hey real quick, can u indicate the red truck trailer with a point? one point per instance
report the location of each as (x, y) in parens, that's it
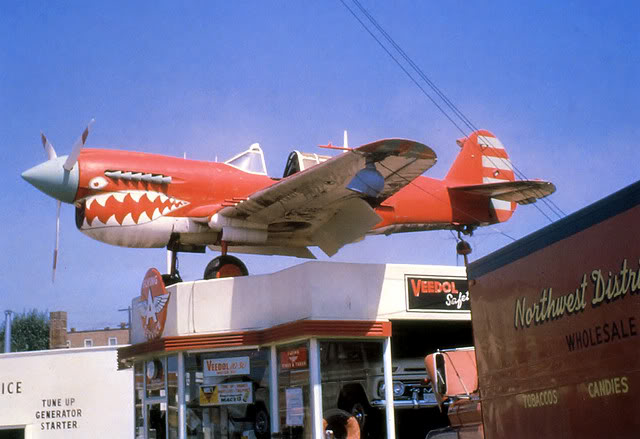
(556, 323)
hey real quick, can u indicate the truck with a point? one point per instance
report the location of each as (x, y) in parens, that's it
(556, 327)
(353, 382)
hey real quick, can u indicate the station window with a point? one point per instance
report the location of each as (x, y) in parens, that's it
(227, 394)
(293, 391)
(88, 342)
(138, 397)
(156, 398)
(113, 341)
(154, 377)
(352, 377)
(173, 424)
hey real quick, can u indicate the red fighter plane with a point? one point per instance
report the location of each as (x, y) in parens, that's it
(135, 199)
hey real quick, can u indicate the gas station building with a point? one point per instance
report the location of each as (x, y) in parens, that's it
(290, 354)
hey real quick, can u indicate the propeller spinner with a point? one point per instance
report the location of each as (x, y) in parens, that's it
(58, 177)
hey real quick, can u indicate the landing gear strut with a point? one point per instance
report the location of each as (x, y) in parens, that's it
(463, 248)
(222, 266)
(174, 275)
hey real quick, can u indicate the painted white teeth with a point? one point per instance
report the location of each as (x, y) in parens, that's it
(128, 220)
(102, 199)
(112, 221)
(170, 204)
(119, 196)
(136, 195)
(144, 218)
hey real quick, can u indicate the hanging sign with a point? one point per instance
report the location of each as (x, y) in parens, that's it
(437, 294)
(294, 359)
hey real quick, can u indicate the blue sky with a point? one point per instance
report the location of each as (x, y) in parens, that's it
(555, 81)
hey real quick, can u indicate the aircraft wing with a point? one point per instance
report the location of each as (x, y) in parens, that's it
(521, 191)
(317, 200)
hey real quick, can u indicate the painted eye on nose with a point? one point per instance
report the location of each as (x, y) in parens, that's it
(97, 183)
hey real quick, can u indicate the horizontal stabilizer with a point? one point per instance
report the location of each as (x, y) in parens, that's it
(521, 191)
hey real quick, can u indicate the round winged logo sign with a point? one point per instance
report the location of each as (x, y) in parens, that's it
(152, 305)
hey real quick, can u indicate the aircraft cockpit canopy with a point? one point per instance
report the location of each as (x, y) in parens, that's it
(299, 161)
(251, 160)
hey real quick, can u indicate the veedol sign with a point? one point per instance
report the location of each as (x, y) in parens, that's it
(226, 366)
(436, 294)
(152, 304)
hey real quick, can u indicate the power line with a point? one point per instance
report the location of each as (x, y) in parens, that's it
(466, 121)
(403, 69)
(448, 102)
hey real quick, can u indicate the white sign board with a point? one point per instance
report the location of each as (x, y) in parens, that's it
(295, 406)
(66, 393)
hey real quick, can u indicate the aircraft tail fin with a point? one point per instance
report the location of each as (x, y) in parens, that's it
(483, 160)
(483, 168)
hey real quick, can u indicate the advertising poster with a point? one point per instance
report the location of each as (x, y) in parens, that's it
(295, 406)
(226, 394)
(217, 367)
(437, 294)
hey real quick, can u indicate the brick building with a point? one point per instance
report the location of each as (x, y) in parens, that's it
(60, 338)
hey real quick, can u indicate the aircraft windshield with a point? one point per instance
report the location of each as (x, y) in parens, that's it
(252, 160)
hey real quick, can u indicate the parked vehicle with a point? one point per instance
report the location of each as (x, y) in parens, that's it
(353, 381)
(556, 323)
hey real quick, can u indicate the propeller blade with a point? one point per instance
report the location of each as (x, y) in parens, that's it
(75, 151)
(55, 250)
(48, 148)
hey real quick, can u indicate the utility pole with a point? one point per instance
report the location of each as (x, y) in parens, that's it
(128, 310)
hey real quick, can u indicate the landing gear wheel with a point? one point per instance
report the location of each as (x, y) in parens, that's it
(170, 279)
(225, 266)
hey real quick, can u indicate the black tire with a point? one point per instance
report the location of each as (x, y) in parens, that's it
(225, 266)
(261, 422)
(170, 279)
(354, 401)
(341, 423)
(359, 411)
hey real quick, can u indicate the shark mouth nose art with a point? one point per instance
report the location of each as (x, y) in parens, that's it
(128, 208)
